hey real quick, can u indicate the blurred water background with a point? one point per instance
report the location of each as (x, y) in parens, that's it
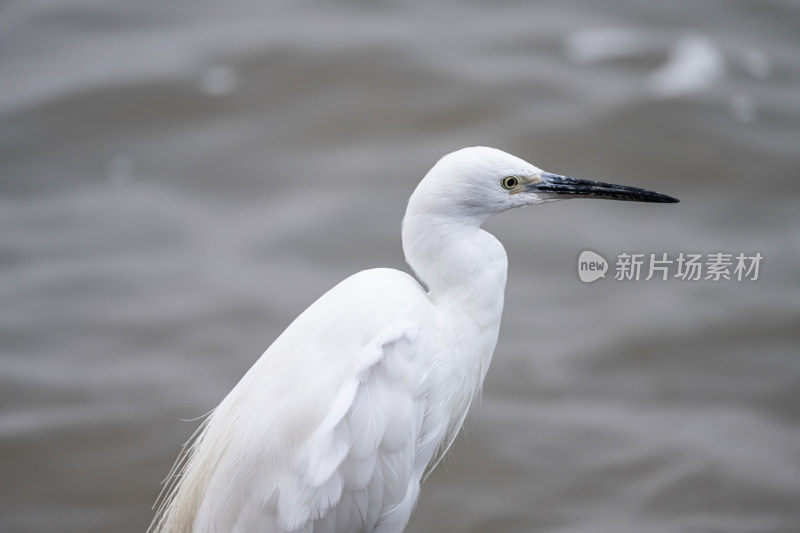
(178, 180)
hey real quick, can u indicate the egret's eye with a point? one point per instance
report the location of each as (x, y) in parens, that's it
(510, 182)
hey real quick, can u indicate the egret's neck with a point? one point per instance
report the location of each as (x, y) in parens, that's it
(464, 269)
(460, 264)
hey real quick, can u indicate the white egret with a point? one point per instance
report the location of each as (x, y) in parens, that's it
(334, 427)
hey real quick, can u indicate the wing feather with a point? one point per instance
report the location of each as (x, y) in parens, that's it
(321, 434)
(372, 444)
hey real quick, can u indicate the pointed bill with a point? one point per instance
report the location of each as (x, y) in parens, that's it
(558, 186)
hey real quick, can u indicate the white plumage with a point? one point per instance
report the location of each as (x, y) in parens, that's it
(334, 427)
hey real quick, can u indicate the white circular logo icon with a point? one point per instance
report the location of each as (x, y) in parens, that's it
(591, 266)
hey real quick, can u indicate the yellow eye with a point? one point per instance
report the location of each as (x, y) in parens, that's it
(510, 182)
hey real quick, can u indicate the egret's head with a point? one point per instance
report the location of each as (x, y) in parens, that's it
(479, 182)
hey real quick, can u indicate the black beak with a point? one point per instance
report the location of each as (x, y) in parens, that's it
(564, 187)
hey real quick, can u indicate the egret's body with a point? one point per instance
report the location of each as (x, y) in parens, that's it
(333, 428)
